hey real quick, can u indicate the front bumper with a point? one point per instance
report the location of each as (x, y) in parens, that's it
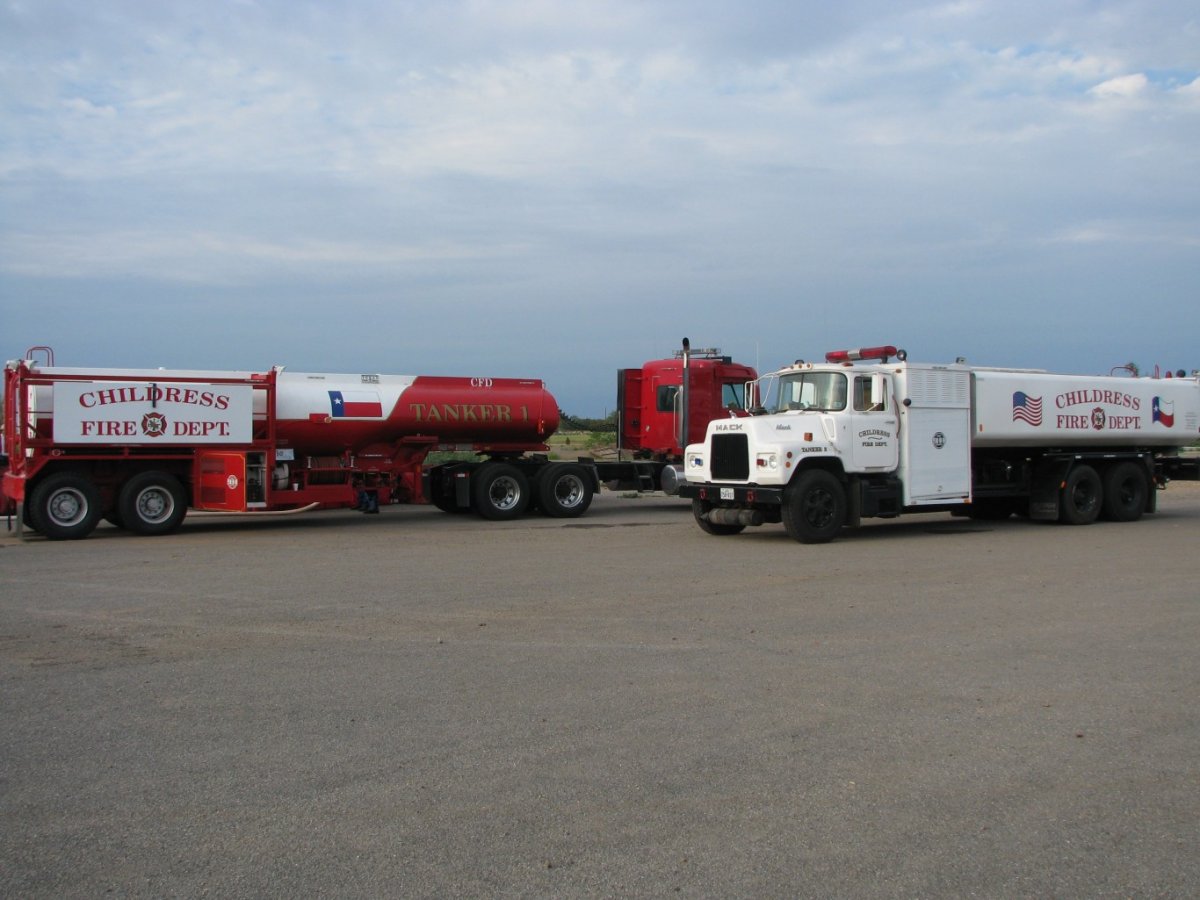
(732, 494)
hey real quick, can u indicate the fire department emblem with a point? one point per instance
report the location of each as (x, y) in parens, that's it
(1098, 419)
(154, 424)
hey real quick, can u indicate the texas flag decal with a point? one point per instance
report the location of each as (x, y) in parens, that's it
(355, 405)
(1163, 411)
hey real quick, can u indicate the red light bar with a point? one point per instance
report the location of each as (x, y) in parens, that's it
(880, 353)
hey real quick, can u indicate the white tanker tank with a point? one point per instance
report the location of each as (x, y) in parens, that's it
(1023, 408)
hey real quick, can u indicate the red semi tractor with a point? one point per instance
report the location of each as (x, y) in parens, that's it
(139, 448)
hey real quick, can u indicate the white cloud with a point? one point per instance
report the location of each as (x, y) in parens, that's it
(1122, 87)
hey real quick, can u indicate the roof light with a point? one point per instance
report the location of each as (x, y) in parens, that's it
(844, 356)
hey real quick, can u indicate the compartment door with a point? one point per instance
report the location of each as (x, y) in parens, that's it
(222, 482)
(937, 453)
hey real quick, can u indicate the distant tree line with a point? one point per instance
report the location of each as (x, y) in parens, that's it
(585, 423)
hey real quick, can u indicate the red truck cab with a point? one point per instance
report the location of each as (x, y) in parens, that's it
(650, 400)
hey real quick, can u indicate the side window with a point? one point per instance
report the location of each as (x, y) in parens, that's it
(864, 399)
(733, 396)
(666, 397)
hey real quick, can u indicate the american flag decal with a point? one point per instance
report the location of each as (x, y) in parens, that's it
(1027, 409)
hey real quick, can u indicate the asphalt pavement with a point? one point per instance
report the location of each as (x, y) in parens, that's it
(418, 704)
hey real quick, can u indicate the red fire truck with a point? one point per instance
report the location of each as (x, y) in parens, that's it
(138, 448)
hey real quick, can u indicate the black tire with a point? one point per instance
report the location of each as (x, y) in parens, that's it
(152, 503)
(64, 507)
(699, 508)
(499, 491)
(564, 491)
(814, 507)
(1126, 488)
(1082, 497)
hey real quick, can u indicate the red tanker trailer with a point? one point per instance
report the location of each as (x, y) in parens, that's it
(140, 447)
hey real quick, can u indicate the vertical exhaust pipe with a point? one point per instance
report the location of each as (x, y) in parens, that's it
(683, 393)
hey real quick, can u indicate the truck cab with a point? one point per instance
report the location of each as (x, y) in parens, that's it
(651, 401)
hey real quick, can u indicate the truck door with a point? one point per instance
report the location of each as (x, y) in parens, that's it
(874, 422)
(664, 413)
(631, 407)
(222, 478)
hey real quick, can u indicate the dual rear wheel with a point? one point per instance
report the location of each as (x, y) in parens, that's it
(1119, 495)
(67, 505)
(501, 491)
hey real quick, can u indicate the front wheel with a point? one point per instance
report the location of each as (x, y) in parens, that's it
(64, 507)
(1082, 497)
(564, 491)
(814, 507)
(152, 503)
(500, 491)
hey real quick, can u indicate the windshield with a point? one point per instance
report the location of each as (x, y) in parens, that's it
(824, 391)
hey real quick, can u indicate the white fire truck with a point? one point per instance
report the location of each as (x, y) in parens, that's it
(869, 434)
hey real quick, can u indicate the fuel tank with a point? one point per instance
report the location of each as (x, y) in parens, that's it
(322, 413)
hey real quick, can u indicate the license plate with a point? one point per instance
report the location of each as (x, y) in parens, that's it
(726, 493)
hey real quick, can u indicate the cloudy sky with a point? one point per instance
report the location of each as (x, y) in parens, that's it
(557, 189)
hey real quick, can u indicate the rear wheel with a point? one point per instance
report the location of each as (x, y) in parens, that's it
(814, 507)
(1082, 496)
(1125, 490)
(564, 491)
(64, 507)
(152, 503)
(700, 510)
(499, 491)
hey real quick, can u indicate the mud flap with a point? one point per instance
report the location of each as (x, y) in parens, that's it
(854, 502)
(1048, 475)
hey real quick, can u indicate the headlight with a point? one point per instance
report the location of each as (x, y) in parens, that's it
(767, 461)
(695, 460)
